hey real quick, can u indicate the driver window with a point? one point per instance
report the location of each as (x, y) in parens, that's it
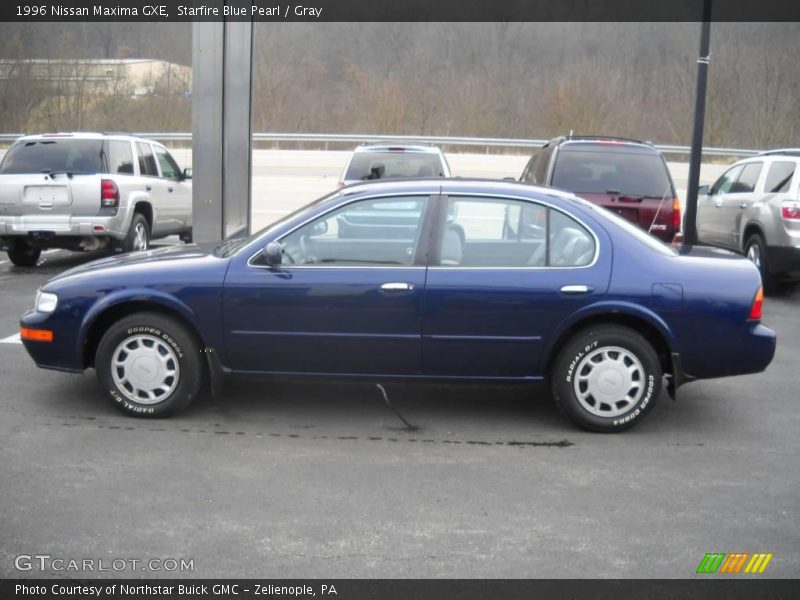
(379, 232)
(725, 183)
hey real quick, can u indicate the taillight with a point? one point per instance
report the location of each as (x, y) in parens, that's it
(790, 210)
(758, 301)
(676, 214)
(109, 194)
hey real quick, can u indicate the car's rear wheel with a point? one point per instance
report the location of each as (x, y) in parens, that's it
(22, 254)
(755, 248)
(150, 365)
(607, 378)
(138, 237)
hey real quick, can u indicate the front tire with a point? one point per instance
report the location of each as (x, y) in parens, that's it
(150, 365)
(756, 250)
(22, 254)
(607, 378)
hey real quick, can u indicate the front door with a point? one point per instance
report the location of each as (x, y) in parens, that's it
(347, 298)
(711, 228)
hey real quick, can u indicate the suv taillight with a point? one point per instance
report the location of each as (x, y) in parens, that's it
(109, 194)
(676, 214)
(790, 210)
(758, 302)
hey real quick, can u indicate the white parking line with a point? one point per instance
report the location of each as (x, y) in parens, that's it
(12, 339)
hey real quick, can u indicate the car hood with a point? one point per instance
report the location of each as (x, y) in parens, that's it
(148, 259)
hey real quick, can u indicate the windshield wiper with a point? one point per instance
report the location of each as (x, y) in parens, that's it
(53, 172)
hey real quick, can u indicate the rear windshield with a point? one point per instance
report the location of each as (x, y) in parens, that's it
(388, 165)
(600, 170)
(79, 156)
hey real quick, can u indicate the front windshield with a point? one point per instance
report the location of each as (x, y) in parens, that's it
(229, 247)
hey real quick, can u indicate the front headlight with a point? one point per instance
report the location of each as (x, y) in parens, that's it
(46, 302)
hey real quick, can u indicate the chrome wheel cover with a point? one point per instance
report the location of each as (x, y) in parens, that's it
(754, 254)
(139, 237)
(145, 369)
(609, 381)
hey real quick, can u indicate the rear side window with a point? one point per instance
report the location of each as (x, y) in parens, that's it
(779, 177)
(506, 233)
(120, 157)
(748, 178)
(389, 165)
(147, 162)
(599, 170)
(78, 156)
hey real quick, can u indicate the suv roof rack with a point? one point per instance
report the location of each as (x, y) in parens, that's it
(781, 152)
(611, 138)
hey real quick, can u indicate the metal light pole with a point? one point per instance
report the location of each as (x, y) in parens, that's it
(690, 225)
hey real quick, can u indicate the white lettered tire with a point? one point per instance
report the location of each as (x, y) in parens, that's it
(607, 378)
(149, 364)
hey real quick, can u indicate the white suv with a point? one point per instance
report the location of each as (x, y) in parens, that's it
(85, 191)
(391, 161)
(754, 208)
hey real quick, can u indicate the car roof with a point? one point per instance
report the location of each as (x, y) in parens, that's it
(389, 147)
(780, 152)
(436, 185)
(83, 135)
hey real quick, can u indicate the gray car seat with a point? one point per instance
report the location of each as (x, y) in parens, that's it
(452, 247)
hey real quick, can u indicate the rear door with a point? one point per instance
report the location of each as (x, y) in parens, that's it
(156, 187)
(504, 273)
(340, 302)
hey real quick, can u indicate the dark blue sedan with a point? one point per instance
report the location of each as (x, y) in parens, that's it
(423, 279)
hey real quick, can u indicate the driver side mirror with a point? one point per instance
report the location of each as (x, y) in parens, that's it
(273, 253)
(702, 190)
(187, 173)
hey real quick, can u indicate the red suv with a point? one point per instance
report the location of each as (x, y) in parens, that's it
(629, 177)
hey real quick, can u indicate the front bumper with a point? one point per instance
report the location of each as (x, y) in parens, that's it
(61, 354)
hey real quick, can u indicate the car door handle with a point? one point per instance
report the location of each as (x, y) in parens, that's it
(147, 188)
(169, 189)
(718, 202)
(397, 287)
(575, 290)
(742, 204)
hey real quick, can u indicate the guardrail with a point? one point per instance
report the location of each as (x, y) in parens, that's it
(325, 138)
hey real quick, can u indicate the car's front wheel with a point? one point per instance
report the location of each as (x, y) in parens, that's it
(22, 254)
(607, 378)
(149, 364)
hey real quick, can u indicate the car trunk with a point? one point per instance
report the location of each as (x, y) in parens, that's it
(48, 200)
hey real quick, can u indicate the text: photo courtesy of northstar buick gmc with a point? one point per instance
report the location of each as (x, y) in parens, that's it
(437, 279)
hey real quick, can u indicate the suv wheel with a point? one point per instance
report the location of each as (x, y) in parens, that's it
(607, 378)
(756, 250)
(22, 254)
(138, 237)
(149, 364)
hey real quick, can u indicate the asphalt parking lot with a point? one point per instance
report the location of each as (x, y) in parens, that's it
(298, 480)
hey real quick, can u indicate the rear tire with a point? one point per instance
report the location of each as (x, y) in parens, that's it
(22, 254)
(138, 237)
(606, 378)
(150, 365)
(756, 250)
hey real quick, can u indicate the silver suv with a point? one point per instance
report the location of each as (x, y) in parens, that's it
(86, 191)
(391, 161)
(754, 208)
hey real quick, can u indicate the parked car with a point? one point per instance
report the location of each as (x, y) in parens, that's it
(629, 177)
(586, 300)
(754, 208)
(382, 161)
(86, 191)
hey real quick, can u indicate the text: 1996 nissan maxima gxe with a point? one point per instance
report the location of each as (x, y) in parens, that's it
(431, 279)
